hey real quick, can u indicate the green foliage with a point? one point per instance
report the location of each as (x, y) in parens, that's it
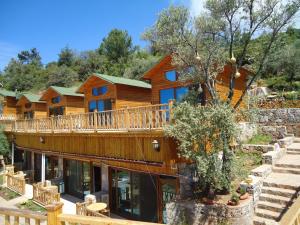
(30, 205)
(203, 133)
(7, 194)
(260, 139)
(235, 198)
(66, 57)
(62, 76)
(4, 146)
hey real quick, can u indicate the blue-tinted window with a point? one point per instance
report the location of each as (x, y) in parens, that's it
(55, 100)
(99, 90)
(166, 95)
(180, 93)
(100, 107)
(95, 91)
(92, 106)
(102, 90)
(171, 75)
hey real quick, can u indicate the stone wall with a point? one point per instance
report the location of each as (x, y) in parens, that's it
(183, 212)
(281, 117)
(247, 130)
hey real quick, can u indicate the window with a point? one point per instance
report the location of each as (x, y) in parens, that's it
(56, 111)
(173, 93)
(27, 105)
(55, 100)
(100, 105)
(92, 106)
(171, 75)
(99, 90)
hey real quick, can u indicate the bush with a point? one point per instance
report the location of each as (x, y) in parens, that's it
(260, 139)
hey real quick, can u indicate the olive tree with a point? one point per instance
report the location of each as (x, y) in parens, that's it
(200, 47)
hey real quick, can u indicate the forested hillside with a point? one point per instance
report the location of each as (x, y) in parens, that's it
(118, 56)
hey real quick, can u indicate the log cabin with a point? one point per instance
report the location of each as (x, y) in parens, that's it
(31, 107)
(104, 92)
(63, 101)
(134, 167)
(8, 103)
(166, 84)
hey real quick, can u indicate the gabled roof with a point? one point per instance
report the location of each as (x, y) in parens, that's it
(71, 91)
(165, 59)
(33, 98)
(8, 93)
(119, 80)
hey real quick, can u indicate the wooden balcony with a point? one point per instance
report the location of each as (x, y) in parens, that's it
(137, 118)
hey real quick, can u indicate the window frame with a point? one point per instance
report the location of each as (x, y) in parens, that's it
(96, 91)
(56, 100)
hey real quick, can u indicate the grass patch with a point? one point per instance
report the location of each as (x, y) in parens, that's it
(30, 205)
(243, 164)
(260, 139)
(8, 194)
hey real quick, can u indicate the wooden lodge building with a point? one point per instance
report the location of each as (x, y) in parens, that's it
(123, 156)
(103, 92)
(31, 107)
(8, 103)
(63, 101)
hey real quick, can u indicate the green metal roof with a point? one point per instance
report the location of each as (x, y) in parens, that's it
(122, 80)
(66, 91)
(32, 97)
(5, 93)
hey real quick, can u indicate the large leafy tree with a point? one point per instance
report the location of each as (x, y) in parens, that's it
(62, 76)
(66, 57)
(200, 47)
(4, 146)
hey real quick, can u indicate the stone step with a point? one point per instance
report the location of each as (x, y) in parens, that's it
(294, 146)
(293, 149)
(267, 214)
(274, 207)
(257, 220)
(274, 199)
(278, 185)
(278, 191)
(296, 139)
(286, 170)
(285, 165)
(292, 153)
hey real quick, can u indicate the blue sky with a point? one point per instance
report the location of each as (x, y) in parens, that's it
(50, 25)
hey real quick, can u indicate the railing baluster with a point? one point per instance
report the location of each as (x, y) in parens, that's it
(16, 220)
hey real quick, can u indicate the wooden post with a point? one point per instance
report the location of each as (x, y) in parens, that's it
(171, 103)
(52, 124)
(95, 120)
(53, 211)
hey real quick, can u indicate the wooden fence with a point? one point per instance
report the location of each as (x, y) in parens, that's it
(44, 196)
(292, 216)
(55, 217)
(16, 183)
(17, 216)
(143, 117)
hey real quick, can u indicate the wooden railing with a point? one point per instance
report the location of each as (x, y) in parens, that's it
(90, 220)
(17, 216)
(7, 117)
(16, 183)
(143, 117)
(44, 196)
(292, 216)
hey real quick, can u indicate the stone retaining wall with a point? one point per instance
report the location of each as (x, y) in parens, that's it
(193, 213)
(281, 117)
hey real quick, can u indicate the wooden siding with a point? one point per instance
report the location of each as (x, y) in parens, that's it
(9, 105)
(131, 150)
(122, 95)
(158, 80)
(72, 104)
(129, 96)
(157, 77)
(39, 108)
(97, 82)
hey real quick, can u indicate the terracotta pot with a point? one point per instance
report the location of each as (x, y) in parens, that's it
(244, 196)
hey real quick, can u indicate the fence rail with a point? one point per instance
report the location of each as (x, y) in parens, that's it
(16, 183)
(44, 196)
(143, 117)
(292, 216)
(18, 217)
